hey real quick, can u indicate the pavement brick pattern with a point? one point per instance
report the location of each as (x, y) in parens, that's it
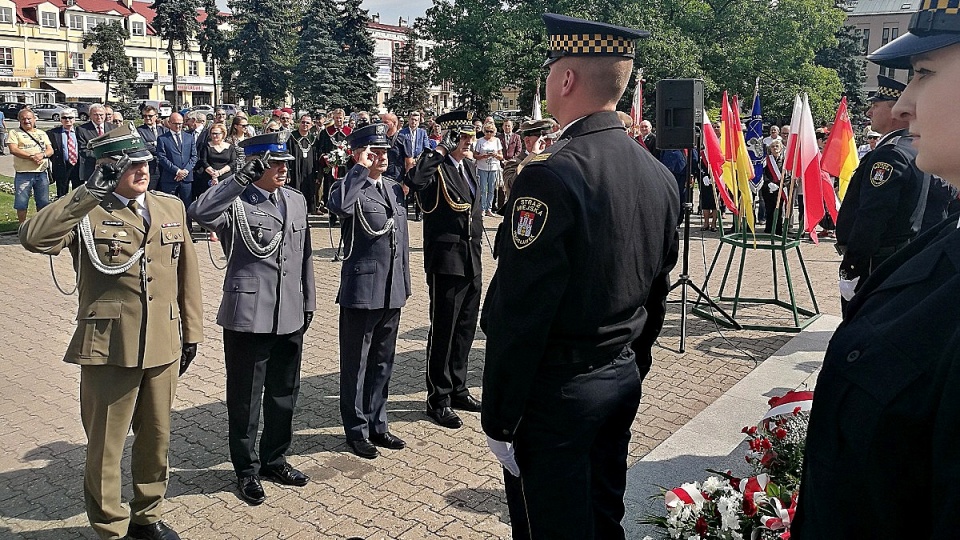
(444, 485)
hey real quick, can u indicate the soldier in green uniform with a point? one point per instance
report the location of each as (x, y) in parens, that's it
(138, 324)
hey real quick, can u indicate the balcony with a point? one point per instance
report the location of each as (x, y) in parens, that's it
(56, 73)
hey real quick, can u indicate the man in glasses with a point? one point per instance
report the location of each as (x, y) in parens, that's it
(149, 132)
(177, 154)
(412, 140)
(303, 173)
(97, 126)
(66, 153)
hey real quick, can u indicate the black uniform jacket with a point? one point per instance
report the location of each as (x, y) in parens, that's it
(453, 217)
(584, 265)
(884, 436)
(884, 204)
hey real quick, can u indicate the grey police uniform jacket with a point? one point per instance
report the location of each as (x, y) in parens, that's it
(261, 295)
(375, 263)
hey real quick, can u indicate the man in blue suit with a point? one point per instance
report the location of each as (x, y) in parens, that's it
(150, 131)
(177, 155)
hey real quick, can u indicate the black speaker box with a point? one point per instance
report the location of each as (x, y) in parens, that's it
(679, 113)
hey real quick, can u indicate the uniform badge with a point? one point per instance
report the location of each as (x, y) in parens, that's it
(172, 224)
(540, 157)
(880, 173)
(113, 223)
(254, 199)
(529, 218)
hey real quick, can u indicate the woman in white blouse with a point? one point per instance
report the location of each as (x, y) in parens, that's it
(488, 152)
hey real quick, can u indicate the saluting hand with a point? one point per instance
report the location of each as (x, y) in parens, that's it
(367, 158)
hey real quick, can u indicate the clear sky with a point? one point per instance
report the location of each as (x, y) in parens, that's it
(390, 10)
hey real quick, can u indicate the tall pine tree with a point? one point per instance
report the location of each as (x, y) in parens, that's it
(411, 82)
(319, 66)
(176, 23)
(357, 84)
(110, 59)
(263, 44)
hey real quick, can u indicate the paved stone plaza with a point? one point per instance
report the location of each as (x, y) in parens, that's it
(444, 485)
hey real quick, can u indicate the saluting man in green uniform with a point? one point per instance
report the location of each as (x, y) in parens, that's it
(138, 324)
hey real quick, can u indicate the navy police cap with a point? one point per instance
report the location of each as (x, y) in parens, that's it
(460, 120)
(570, 36)
(887, 89)
(372, 135)
(935, 26)
(275, 143)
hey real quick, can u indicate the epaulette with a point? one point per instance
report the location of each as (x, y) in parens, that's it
(545, 155)
(293, 189)
(164, 194)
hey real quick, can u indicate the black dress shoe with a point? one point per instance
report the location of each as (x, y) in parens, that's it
(285, 474)
(153, 531)
(251, 490)
(388, 440)
(363, 448)
(445, 417)
(467, 403)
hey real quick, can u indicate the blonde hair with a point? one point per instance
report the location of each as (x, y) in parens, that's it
(490, 125)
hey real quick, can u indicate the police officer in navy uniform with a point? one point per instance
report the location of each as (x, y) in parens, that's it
(885, 201)
(446, 186)
(885, 420)
(268, 302)
(374, 285)
(579, 295)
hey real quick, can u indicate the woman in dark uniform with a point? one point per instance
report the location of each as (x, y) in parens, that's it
(885, 425)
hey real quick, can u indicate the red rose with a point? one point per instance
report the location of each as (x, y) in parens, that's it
(781, 433)
(752, 430)
(767, 458)
(796, 410)
(701, 526)
(766, 444)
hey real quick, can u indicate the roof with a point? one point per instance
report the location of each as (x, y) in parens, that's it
(388, 27)
(26, 14)
(877, 7)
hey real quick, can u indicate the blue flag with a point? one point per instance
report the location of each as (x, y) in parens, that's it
(755, 140)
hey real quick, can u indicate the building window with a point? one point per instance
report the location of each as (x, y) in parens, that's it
(48, 19)
(6, 56)
(93, 22)
(192, 68)
(6, 15)
(169, 67)
(50, 59)
(137, 63)
(885, 37)
(77, 62)
(76, 22)
(138, 28)
(894, 33)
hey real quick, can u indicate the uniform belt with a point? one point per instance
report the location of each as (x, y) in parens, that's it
(882, 252)
(580, 360)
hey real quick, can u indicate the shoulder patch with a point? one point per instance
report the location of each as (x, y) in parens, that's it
(293, 189)
(880, 173)
(529, 219)
(543, 156)
(159, 193)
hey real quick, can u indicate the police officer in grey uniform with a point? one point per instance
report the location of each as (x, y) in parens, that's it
(374, 285)
(578, 298)
(268, 302)
(885, 202)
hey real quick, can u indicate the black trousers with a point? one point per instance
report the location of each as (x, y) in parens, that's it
(454, 309)
(66, 176)
(770, 206)
(571, 447)
(368, 345)
(261, 369)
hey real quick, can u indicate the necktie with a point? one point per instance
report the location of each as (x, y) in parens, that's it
(154, 129)
(273, 199)
(71, 148)
(99, 129)
(380, 189)
(176, 139)
(135, 206)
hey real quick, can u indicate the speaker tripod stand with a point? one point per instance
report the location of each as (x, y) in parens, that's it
(683, 282)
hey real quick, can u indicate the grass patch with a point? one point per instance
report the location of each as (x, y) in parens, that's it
(8, 216)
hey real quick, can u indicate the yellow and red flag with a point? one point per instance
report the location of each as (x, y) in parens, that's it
(839, 156)
(737, 166)
(713, 154)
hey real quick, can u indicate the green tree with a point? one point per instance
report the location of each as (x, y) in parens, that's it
(411, 82)
(846, 58)
(319, 65)
(214, 48)
(176, 23)
(470, 49)
(110, 59)
(264, 43)
(357, 82)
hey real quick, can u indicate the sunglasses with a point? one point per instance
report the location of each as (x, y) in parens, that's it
(149, 116)
(489, 131)
(216, 133)
(273, 130)
(176, 123)
(68, 118)
(244, 125)
(117, 122)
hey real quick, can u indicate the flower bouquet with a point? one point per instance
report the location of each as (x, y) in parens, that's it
(337, 157)
(758, 507)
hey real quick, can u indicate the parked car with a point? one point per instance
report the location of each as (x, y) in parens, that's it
(228, 108)
(48, 111)
(163, 106)
(10, 109)
(205, 109)
(82, 107)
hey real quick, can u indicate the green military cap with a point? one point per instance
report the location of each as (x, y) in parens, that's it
(537, 128)
(120, 141)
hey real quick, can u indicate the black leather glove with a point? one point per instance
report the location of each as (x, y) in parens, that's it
(187, 356)
(252, 170)
(307, 319)
(106, 177)
(451, 139)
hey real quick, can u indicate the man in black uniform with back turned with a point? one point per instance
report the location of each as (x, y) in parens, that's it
(883, 208)
(446, 186)
(579, 296)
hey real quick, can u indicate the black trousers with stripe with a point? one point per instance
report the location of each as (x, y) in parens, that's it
(454, 311)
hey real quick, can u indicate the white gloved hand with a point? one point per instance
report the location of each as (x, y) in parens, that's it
(773, 187)
(504, 453)
(848, 287)
(707, 182)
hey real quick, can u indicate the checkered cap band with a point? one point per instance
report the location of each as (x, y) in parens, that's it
(591, 44)
(888, 93)
(936, 16)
